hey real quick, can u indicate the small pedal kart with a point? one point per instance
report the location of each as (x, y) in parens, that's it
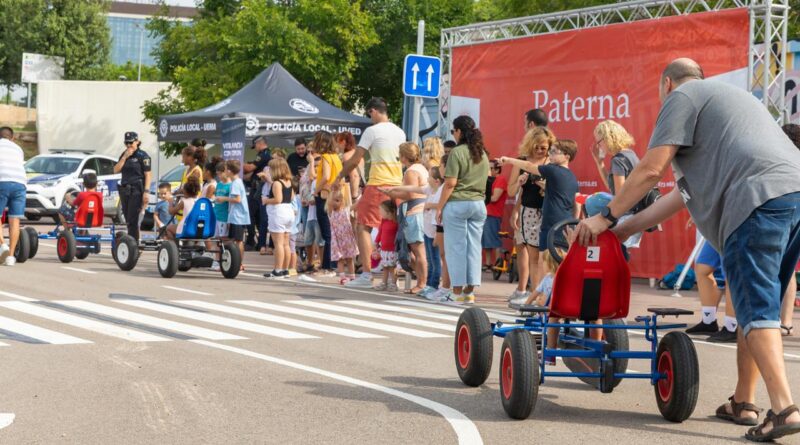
(28, 241)
(190, 249)
(592, 285)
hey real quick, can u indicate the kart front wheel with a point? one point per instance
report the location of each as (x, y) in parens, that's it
(33, 241)
(519, 374)
(230, 260)
(167, 259)
(676, 393)
(23, 250)
(473, 346)
(66, 246)
(126, 252)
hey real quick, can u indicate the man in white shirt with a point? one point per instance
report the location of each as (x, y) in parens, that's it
(12, 191)
(382, 140)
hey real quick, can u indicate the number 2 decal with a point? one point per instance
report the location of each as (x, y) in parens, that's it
(593, 254)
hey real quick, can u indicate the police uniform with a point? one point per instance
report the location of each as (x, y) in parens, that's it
(131, 186)
(258, 214)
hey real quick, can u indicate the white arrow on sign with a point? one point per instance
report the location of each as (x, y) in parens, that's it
(415, 70)
(430, 76)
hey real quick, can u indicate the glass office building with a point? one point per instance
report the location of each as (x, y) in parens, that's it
(128, 37)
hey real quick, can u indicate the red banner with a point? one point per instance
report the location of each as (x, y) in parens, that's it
(581, 78)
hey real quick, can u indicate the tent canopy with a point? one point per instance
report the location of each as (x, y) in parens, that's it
(275, 105)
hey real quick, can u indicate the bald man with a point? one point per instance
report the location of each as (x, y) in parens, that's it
(737, 174)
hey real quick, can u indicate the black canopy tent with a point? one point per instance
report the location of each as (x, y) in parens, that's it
(275, 105)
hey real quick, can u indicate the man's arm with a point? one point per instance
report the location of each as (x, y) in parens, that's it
(352, 163)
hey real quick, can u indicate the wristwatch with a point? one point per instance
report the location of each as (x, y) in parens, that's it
(606, 213)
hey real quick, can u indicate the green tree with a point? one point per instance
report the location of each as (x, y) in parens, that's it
(130, 71)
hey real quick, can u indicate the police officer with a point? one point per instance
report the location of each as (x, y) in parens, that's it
(251, 171)
(135, 183)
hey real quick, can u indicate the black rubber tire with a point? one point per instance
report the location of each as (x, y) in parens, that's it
(184, 266)
(230, 261)
(118, 234)
(676, 396)
(66, 247)
(23, 250)
(32, 217)
(473, 346)
(33, 239)
(519, 374)
(82, 254)
(496, 274)
(126, 253)
(618, 338)
(513, 273)
(167, 259)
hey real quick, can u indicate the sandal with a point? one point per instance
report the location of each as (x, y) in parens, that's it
(413, 291)
(786, 331)
(779, 426)
(737, 408)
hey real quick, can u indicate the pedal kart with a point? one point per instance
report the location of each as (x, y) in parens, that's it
(28, 244)
(189, 249)
(592, 285)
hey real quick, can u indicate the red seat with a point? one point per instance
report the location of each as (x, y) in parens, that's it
(592, 283)
(90, 210)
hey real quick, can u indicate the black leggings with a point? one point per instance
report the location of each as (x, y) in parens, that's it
(325, 228)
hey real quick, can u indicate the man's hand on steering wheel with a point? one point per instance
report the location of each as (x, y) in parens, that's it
(588, 229)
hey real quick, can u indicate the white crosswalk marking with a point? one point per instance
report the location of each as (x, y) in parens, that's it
(373, 314)
(37, 333)
(214, 319)
(340, 319)
(187, 329)
(80, 322)
(452, 310)
(279, 319)
(388, 307)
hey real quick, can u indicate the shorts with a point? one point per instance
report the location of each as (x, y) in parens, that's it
(221, 230)
(236, 232)
(388, 258)
(67, 211)
(413, 229)
(293, 242)
(313, 234)
(709, 256)
(491, 233)
(765, 246)
(530, 225)
(281, 218)
(12, 196)
(368, 208)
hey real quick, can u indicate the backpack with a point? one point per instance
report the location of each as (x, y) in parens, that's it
(669, 280)
(401, 247)
(649, 199)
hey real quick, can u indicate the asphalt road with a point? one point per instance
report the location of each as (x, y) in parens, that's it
(94, 355)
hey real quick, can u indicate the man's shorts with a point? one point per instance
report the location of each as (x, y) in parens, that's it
(236, 232)
(12, 195)
(221, 230)
(313, 234)
(388, 258)
(765, 246)
(491, 233)
(368, 209)
(413, 229)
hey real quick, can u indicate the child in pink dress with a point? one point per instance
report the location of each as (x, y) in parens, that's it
(343, 240)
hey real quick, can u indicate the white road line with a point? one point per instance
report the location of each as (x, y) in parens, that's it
(6, 419)
(16, 297)
(388, 307)
(718, 345)
(180, 289)
(465, 430)
(452, 309)
(80, 322)
(3, 344)
(187, 329)
(372, 314)
(214, 319)
(340, 319)
(279, 319)
(75, 269)
(42, 334)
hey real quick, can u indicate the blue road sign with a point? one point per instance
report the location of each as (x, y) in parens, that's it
(421, 76)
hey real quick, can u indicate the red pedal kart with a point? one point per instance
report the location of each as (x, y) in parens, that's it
(592, 285)
(28, 244)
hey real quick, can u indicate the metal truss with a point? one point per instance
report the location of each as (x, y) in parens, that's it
(768, 23)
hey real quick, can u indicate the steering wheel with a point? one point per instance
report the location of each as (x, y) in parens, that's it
(556, 240)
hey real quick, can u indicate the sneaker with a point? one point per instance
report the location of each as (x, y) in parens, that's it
(465, 299)
(425, 291)
(4, 252)
(10, 260)
(520, 299)
(377, 270)
(723, 336)
(214, 267)
(306, 278)
(704, 328)
(431, 294)
(273, 274)
(284, 273)
(391, 287)
(381, 287)
(325, 274)
(364, 281)
(292, 272)
(443, 295)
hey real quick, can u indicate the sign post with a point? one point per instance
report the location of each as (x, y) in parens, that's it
(234, 139)
(415, 73)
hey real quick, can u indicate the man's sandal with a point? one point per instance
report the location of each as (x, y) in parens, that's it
(779, 426)
(786, 331)
(737, 408)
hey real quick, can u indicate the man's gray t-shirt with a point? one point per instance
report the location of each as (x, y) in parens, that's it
(732, 156)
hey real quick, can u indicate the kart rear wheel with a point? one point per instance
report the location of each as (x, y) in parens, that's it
(33, 241)
(82, 254)
(117, 236)
(519, 374)
(497, 270)
(66, 246)
(617, 338)
(126, 252)
(167, 259)
(676, 394)
(23, 250)
(473, 346)
(230, 260)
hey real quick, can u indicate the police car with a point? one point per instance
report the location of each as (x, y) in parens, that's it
(51, 176)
